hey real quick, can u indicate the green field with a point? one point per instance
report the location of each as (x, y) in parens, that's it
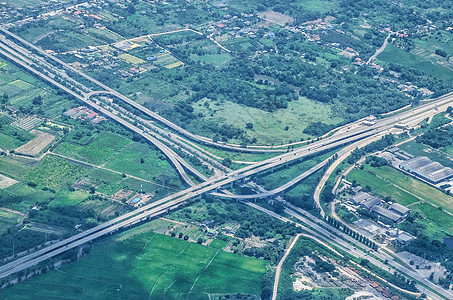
(101, 148)
(12, 137)
(55, 173)
(21, 197)
(131, 59)
(15, 166)
(21, 88)
(69, 198)
(416, 187)
(128, 160)
(8, 219)
(269, 128)
(393, 54)
(438, 223)
(448, 150)
(218, 60)
(146, 266)
(381, 187)
(108, 183)
(321, 6)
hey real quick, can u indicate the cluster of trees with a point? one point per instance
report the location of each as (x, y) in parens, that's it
(400, 16)
(223, 85)
(361, 238)
(356, 94)
(379, 145)
(438, 137)
(433, 250)
(183, 114)
(252, 222)
(395, 277)
(304, 201)
(272, 253)
(322, 266)
(318, 128)
(266, 227)
(375, 161)
(419, 78)
(67, 216)
(21, 240)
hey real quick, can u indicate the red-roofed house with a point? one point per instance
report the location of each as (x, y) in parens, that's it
(92, 115)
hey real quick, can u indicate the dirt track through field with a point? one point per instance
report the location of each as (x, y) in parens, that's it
(36, 145)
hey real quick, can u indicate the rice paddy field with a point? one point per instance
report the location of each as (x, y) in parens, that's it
(141, 264)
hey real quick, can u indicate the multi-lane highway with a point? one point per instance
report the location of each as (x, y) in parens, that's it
(27, 60)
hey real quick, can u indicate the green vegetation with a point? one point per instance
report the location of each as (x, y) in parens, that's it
(141, 160)
(379, 145)
(381, 187)
(396, 55)
(9, 219)
(247, 72)
(279, 127)
(437, 138)
(278, 176)
(418, 149)
(140, 264)
(306, 247)
(11, 136)
(69, 198)
(417, 187)
(28, 95)
(218, 60)
(298, 81)
(430, 221)
(22, 197)
(98, 150)
(388, 183)
(55, 173)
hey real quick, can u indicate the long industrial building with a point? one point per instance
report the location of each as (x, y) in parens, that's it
(427, 169)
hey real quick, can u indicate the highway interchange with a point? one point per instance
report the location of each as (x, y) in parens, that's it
(54, 71)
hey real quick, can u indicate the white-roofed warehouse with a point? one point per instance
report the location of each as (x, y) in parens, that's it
(426, 169)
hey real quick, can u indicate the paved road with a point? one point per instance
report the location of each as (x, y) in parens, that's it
(338, 238)
(175, 159)
(326, 241)
(236, 175)
(341, 157)
(380, 50)
(136, 105)
(413, 115)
